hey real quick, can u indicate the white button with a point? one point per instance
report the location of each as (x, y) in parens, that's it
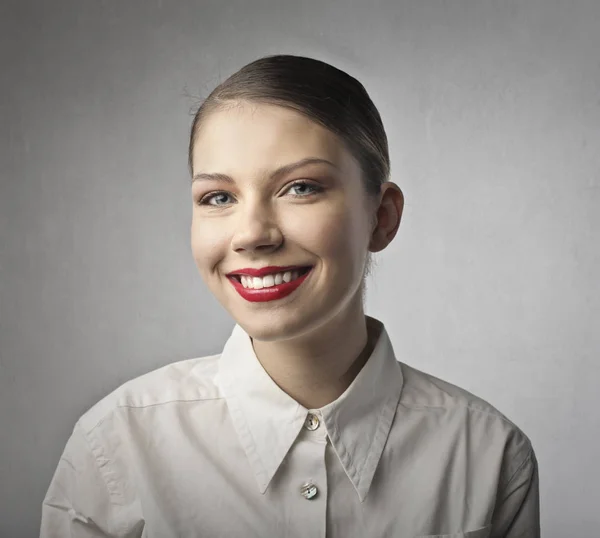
(308, 490)
(312, 422)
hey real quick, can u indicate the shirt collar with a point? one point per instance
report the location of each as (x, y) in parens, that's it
(267, 420)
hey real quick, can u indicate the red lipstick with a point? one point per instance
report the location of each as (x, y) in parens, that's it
(271, 293)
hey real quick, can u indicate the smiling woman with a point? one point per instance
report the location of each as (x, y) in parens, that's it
(248, 162)
(306, 424)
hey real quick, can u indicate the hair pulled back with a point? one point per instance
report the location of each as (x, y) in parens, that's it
(316, 89)
(323, 93)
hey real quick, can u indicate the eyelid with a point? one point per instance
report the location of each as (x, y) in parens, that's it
(211, 194)
(311, 183)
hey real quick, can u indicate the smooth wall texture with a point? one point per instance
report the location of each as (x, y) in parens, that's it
(493, 114)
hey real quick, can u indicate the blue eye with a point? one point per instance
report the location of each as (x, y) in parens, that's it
(314, 188)
(212, 195)
(205, 200)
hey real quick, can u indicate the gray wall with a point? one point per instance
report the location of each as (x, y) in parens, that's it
(493, 116)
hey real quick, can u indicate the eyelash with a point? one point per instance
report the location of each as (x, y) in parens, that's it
(316, 189)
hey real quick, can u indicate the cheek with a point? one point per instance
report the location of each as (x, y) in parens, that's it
(208, 243)
(334, 233)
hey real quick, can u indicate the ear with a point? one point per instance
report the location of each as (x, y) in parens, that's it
(388, 216)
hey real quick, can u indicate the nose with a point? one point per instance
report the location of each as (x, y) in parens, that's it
(256, 229)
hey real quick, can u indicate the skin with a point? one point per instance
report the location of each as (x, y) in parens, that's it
(315, 341)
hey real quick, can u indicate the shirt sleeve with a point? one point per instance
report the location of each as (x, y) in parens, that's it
(78, 502)
(517, 511)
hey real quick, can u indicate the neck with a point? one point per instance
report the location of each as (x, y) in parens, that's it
(316, 368)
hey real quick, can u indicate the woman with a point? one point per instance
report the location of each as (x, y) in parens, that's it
(306, 424)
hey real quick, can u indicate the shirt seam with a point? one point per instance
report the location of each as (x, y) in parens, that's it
(96, 463)
(168, 401)
(526, 460)
(126, 406)
(467, 406)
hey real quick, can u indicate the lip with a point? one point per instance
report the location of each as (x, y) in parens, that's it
(271, 293)
(263, 271)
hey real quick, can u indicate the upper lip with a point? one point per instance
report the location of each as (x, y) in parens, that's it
(249, 271)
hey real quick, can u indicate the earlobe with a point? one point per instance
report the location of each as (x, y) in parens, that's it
(378, 242)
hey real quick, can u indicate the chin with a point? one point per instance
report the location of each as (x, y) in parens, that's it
(261, 327)
(258, 329)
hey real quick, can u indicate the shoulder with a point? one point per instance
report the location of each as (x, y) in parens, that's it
(422, 389)
(460, 410)
(186, 380)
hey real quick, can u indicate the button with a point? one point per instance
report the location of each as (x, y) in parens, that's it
(312, 422)
(308, 490)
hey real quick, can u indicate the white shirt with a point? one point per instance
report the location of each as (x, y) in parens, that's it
(211, 447)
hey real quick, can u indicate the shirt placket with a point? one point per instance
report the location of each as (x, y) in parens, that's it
(307, 479)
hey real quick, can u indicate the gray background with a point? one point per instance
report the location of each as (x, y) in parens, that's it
(493, 115)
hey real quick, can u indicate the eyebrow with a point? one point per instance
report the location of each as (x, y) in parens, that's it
(281, 171)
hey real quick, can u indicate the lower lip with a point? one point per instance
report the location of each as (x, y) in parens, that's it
(268, 294)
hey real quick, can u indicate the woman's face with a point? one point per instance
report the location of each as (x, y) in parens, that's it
(260, 218)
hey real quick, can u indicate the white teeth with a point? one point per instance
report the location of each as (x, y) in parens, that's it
(258, 283)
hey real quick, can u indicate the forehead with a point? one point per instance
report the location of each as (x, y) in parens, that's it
(262, 137)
